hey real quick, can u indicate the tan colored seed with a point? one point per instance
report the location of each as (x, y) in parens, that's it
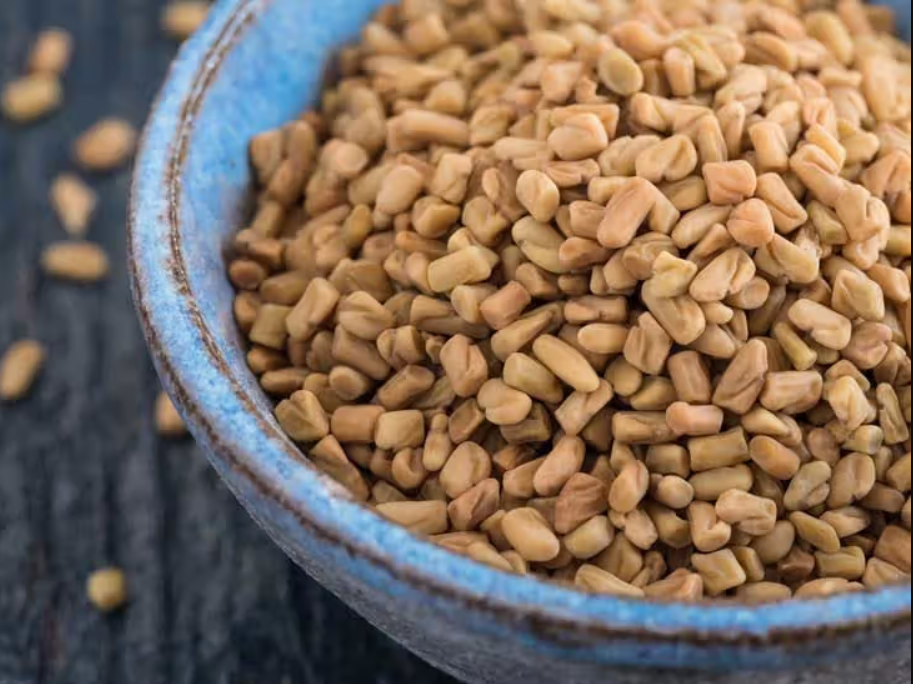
(566, 363)
(399, 430)
(619, 72)
(31, 97)
(181, 18)
(82, 262)
(529, 534)
(753, 515)
(720, 571)
(594, 578)
(815, 532)
(107, 589)
(421, 517)
(74, 203)
(51, 52)
(105, 146)
(20, 366)
(168, 422)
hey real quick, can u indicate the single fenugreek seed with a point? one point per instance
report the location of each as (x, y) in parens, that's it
(168, 422)
(105, 146)
(20, 365)
(82, 262)
(181, 18)
(74, 202)
(51, 52)
(107, 589)
(31, 97)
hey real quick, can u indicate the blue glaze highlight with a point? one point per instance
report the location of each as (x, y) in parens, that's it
(255, 65)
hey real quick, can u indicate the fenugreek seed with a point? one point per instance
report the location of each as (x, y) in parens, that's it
(181, 18)
(894, 547)
(31, 97)
(753, 515)
(815, 532)
(51, 52)
(20, 366)
(106, 589)
(593, 578)
(559, 466)
(853, 477)
(399, 430)
(566, 363)
(107, 145)
(168, 422)
(529, 534)
(718, 451)
(774, 458)
(710, 485)
(82, 262)
(619, 72)
(421, 517)
(74, 202)
(590, 538)
(720, 571)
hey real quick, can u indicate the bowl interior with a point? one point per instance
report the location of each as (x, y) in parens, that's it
(257, 64)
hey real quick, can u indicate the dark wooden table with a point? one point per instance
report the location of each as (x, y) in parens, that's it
(85, 481)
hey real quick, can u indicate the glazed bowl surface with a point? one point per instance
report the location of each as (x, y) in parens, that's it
(255, 65)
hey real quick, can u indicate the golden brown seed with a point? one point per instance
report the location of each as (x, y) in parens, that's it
(594, 578)
(51, 52)
(467, 465)
(82, 262)
(502, 404)
(579, 137)
(31, 97)
(708, 532)
(776, 545)
(561, 463)
(566, 363)
(619, 72)
(74, 202)
(894, 547)
(181, 18)
(729, 182)
(773, 457)
(468, 265)
(629, 488)
(20, 365)
(815, 532)
(753, 515)
(168, 422)
(718, 451)
(107, 589)
(303, 417)
(720, 571)
(421, 517)
(399, 430)
(792, 392)
(529, 534)
(580, 408)
(590, 538)
(106, 145)
(751, 223)
(694, 421)
(505, 306)
(464, 364)
(852, 479)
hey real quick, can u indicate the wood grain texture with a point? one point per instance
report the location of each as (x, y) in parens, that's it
(85, 481)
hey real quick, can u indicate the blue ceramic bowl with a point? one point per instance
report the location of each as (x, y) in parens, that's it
(255, 65)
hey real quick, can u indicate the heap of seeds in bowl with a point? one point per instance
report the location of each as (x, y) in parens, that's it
(612, 293)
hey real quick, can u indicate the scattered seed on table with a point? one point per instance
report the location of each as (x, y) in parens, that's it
(82, 262)
(168, 421)
(107, 589)
(51, 52)
(181, 18)
(75, 203)
(31, 97)
(107, 145)
(19, 367)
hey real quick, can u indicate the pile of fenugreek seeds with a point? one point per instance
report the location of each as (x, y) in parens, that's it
(612, 293)
(107, 146)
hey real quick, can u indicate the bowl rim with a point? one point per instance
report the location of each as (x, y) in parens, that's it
(186, 356)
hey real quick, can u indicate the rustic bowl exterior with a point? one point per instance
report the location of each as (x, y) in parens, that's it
(255, 65)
